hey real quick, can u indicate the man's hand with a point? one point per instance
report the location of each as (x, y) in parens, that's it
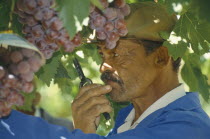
(88, 105)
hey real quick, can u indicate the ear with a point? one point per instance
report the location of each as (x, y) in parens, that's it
(162, 57)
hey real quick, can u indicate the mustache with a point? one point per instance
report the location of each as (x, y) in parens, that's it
(109, 76)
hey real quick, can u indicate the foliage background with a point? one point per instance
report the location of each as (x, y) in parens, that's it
(57, 81)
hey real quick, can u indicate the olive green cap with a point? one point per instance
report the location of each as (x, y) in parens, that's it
(148, 19)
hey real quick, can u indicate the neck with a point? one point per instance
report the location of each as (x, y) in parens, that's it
(164, 83)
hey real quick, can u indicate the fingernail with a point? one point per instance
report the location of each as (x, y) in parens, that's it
(108, 87)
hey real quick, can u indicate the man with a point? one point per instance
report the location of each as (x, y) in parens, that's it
(138, 70)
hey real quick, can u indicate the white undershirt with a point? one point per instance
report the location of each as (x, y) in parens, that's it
(168, 98)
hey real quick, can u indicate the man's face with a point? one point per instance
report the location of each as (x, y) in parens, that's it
(128, 70)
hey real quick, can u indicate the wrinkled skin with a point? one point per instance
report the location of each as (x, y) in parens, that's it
(132, 76)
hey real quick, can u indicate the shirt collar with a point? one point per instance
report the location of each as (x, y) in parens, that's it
(168, 98)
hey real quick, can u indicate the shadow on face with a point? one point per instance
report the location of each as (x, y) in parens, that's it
(127, 69)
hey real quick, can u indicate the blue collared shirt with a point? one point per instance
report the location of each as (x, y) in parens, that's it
(181, 119)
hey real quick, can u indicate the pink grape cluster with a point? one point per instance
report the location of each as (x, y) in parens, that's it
(43, 28)
(17, 70)
(109, 23)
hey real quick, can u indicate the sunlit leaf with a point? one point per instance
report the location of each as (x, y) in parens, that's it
(49, 70)
(73, 13)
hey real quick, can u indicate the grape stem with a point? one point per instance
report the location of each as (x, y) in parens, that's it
(11, 12)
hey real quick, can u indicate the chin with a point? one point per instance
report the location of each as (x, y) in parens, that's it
(118, 95)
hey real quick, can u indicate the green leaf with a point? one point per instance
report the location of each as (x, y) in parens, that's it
(64, 84)
(61, 72)
(192, 75)
(74, 14)
(176, 50)
(165, 35)
(16, 26)
(196, 36)
(203, 87)
(170, 5)
(192, 33)
(5, 8)
(201, 9)
(28, 101)
(97, 3)
(49, 70)
(70, 68)
(17, 41)
(90, 50)
(189, 77)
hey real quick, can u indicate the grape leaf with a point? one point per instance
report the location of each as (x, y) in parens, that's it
(5, 7)
(61, 72)
(192, 75)
(97, 3)
(64, 84)
(49, 70)
(16, 26)
(192, 33)
(201, 9)
(28, 101)
(74, 14)
(176, 6)
(90, 50)
(195, 35)
(176, 50)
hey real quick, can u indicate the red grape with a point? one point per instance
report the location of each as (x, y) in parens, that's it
(77, 39)
(27, 52)
(43, 3)
(115, 25)
(109, 26)
(27, 87)
(13, 69)
(119, 3)
(56, 23)
(123, 31)
(101, 35)
(110, 44)
(99, 21)
(110, 13)
(39, 14)
(37, 31)
(28, 76)
(4, 92)
(23, 67)
(30, 4)
(120, 23)
(104, 3)
(126, 10)
(2, 72)
(47, 13)
(35, 63)
(113, 36)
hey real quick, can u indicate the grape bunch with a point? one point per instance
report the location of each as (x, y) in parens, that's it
(17, 69)
(109, 23)
(43, 28)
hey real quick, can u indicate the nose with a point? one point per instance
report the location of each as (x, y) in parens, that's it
(106, 67)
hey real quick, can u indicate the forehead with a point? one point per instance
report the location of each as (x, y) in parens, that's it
(123, 45)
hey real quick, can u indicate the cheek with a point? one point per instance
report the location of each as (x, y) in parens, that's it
(138, 78)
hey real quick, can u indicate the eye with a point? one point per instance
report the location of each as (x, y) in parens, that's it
(101, 54)
(116, 54)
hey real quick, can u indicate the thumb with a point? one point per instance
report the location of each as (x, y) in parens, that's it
(97, 120)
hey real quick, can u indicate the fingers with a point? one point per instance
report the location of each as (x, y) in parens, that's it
(98, 109)
(88, 105)
(86, 88)
(94, 101)
(93, 92)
